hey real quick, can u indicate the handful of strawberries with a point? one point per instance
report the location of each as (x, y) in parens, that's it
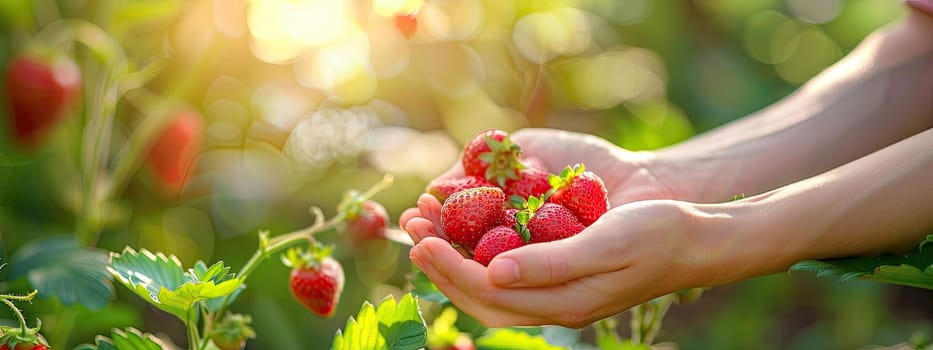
(507, 200)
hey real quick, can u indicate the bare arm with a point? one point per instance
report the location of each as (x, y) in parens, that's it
(879, 94)
(881, 203)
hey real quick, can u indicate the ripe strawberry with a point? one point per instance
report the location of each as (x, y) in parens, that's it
(583, 192)
(174, 151)
(407, 24)
(39, 92)
(232, 332)
(497, 240)
(467, 214)
(531, 181)
(493, 156)
(508, 217)
(444, 188)
(24, 346)
(367, 222)
(552, 222)
(316, 279)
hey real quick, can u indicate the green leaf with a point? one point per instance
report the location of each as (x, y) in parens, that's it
(423, 288)
(131, 339)
(509, 339)
(914, 269)
(59, 267)
(390, 326)
(160, 280)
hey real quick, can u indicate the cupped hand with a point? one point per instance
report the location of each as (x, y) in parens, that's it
(625, 173)
(610, 266)
(632, 254)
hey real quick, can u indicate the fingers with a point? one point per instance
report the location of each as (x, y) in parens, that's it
(553, 263)
(464, 282)
(488, 315)
(407, 215)
(430, 209)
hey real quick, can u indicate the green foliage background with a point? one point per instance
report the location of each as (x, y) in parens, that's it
(683, 67)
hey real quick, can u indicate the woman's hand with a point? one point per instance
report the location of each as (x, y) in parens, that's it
(632, 254)
(625, 173)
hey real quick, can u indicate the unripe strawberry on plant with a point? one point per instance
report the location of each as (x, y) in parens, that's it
(532, 179)
(175, 149)
(232, 332)
(39, 91)
(492, 155)
(316, 279)
(466, 215)
(497, 240)
(581, 191)
(407, 24)
(441, 189)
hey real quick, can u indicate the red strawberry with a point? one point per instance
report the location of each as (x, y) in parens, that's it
(407, 24)
(508, 217)
(24, 346)
(367, 222)
(532, 180)
(39, 92)
(467, 214)
(552, 222)
(174, 151)
(444, 188)
(493, 156)
(497, 240)
(316, 279)
(580, 191)
(232, 332)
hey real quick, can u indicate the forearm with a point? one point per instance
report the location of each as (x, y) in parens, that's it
(876, 96)
(881, 203)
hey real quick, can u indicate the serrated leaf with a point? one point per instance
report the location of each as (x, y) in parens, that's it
(59, 267)
(424, 289)
(130, 339)
(161, 281)
(509, 339)
(391, 326)
(906, 275)
(910, 270)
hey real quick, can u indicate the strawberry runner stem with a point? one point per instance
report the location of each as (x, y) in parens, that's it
(6, 299)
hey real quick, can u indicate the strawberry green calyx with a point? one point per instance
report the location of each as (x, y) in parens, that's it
(565, 178)
(523, 216)
(12, 336)
(300, 258)
(352, 203)
(503, 160)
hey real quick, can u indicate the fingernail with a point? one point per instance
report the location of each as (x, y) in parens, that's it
(415, 255)
(503, 271)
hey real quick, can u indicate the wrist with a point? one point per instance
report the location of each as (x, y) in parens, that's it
(693, 178)
(737, 240)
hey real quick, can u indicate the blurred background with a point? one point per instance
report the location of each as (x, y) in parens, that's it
(302, 100)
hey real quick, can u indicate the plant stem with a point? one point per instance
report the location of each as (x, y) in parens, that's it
(636, 323)
(5, 298)
(657, 316)
(192, 329)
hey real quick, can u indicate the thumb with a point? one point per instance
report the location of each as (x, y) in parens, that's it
(552, 263)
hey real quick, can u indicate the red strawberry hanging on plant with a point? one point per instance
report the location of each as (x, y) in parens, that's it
(316, 280)
(39, 92)
(175, 149)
